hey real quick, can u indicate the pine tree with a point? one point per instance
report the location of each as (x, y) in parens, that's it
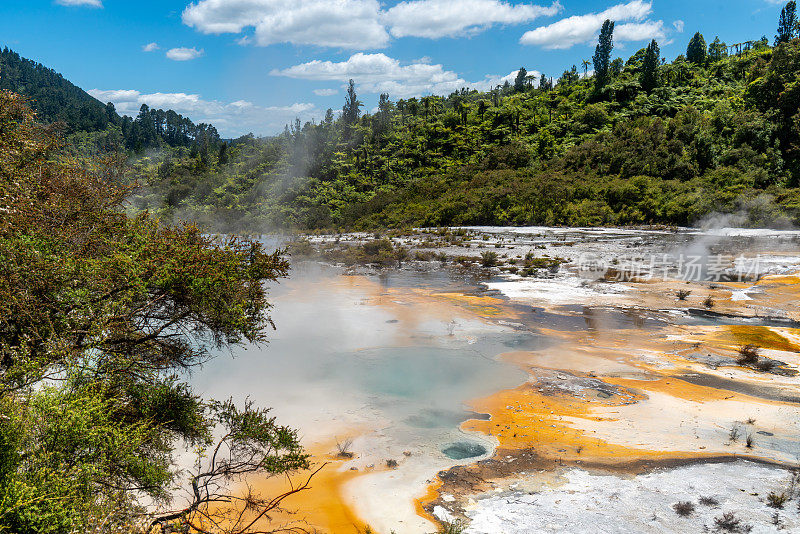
(696, 51)
(602, 54)
(787, 24)
(351, 111)
(519, 81)
(649, 75)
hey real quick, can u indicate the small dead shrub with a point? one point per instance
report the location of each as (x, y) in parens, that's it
(683, 508)
(708, 501)
(748, 354)
(344, 448)
(728, 522)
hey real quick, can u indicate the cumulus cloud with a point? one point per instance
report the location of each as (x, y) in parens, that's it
(445, 18)
(355, 24)
(678, 25)
(350, 24)
(184, 54)
(150, 47)
(231, 119)
(88, 3)
(325, 92)
(640, 31)
(379, 73)
(577, 29)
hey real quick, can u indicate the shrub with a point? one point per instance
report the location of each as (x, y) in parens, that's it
(728, 522)
(489, 258)
(344, 448)
(451, 527)
(708, 302)
(708, 501)
(766, 365)
(683, 508)
(682, 294)
(777, 500)
(748, 354)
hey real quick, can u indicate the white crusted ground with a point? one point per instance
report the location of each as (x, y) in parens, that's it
(589, 504)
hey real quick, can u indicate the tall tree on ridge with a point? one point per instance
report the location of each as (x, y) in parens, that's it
(351, 111)
(519, 81)
(602, 54)
(787, 24)
(696, 51)
(649, 75)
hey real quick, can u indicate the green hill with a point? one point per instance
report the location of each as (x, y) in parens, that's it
(92, 125)
(52, 96)
(717, 135)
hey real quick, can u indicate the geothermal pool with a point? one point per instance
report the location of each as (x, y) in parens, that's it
(500, 401)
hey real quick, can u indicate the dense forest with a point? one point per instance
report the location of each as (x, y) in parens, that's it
(639, 141)
(94, 127)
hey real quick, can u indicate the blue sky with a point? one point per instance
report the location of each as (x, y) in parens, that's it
(254, 65)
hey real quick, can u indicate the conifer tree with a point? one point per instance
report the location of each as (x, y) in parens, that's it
(649, 75)
(602, 54)
(696, 51)
(787, 24)
(351, 111)
(520, 81)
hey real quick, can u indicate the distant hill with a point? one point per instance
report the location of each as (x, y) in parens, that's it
(56, 99)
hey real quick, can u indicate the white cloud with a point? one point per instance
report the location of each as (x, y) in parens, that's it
(379, 73)
(350, 24)
(640, 31)
(491, 81)
(325, 92)
(584, 28)
(678, 25)
(150, 47)
(355, 24)
(184, 54)
(231, 119)
(445, 18)
(88, 3)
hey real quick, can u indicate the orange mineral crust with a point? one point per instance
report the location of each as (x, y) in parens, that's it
(526, 418)
(322, 506)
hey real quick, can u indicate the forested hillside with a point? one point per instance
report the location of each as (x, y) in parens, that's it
(91, 125)
(640, 141)
(635, 141)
